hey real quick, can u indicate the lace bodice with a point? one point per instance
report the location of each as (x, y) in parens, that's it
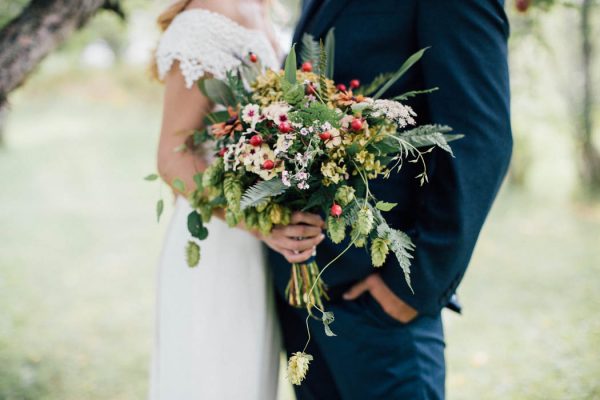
(207, 42)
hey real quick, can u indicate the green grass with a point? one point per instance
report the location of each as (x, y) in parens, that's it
(79, 246)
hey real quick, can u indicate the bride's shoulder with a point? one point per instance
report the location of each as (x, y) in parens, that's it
(205, 38)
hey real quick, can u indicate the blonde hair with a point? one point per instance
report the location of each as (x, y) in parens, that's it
(163, 21)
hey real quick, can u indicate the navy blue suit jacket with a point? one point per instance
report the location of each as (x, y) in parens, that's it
(468, 62)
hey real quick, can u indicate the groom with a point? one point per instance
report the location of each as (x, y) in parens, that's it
(390, 342)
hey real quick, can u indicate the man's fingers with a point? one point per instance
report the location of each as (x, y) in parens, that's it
(356, 290)
(307, 218)
(301, 257)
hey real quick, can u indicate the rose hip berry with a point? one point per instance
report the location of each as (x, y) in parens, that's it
(256, 140)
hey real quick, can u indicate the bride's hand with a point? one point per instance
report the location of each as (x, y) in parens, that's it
(298, 240)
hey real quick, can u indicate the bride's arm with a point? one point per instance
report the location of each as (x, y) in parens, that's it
(183, 110)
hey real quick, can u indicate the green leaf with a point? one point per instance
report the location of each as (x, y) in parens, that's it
(413, 93)
(160, 206)
(261, 191)
(216, 117)
(401, 245)
(379, 80)
(330, 52)
(328, 319)
(398, 74)
(309, 51)
(290, 66)
(218, 92)
(385, 206)
(430, 135)
(151, 177)
(178, 185)
(195, 226)
(198, 180)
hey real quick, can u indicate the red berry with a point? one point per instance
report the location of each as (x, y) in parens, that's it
(285, 127)
(310, 89)
(325, 135)
(222, 152)
(354, 83)
(256, 140)
(306, 66)
(253, 57)
(268, 164)
(522, 5)
(336, 210)
(341, 87)
(356, 124)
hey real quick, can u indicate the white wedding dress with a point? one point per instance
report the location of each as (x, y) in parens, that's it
(216, 337)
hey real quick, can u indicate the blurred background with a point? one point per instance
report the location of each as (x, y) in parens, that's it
(79, 242)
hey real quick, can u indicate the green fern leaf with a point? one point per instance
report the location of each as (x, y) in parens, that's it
(259, 192)
(430, 135)
(310, 49)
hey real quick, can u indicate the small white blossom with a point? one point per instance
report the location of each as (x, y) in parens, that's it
(395, 111)
(251, 114)
(277, 112)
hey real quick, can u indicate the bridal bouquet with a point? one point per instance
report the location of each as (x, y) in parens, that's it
(292, 140)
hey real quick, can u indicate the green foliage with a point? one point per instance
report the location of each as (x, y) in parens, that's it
(336, 229)
(218, 92)
(179, 185)
(379, 251)
(160, 205)
(292, 93)
(232, 189)
(379, 80)
(322, 78)
(385, 206)
(401, 245)
(398, 74)
(192, 254)
(344, 195)
(195, 226)
(151, 177)
(316, 111)
(430, 135)
(213, 173)
(327, 318)
(330, 54)
(364, 221)
(262, 191)
(290, 66)
(413, 93)
(310, 49)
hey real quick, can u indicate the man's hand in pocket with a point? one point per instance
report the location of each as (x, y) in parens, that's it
(390, 303)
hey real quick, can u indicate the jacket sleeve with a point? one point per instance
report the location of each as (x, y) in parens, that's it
(468, 62)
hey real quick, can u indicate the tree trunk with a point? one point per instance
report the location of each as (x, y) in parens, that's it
(39, 29)
(590, 157)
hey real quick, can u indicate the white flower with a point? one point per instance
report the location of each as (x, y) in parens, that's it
(251, 114)
(395, 111)
(285, 178)
(277, 112)
(283, 143)
(304, 131)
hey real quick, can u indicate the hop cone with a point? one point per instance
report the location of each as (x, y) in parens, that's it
(264, 223)
(192, 254)
(344, 195)
(336, 229)
(364, 221)
(359, 239)
(298, 367)
(379, 251)
(276, 214)
(232, 189)
(212, 174)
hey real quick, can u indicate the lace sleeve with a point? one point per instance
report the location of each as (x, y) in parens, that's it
(205, 42)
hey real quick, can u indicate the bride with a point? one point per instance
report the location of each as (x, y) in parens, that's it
(217, 336)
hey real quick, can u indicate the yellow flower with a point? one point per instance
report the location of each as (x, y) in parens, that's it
(298, 367)
(332, 172)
